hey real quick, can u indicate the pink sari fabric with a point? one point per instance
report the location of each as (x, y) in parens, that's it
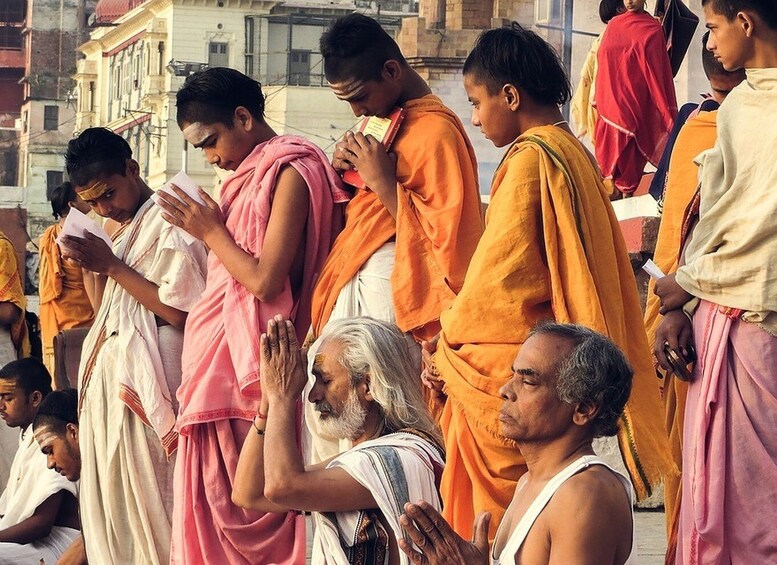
(220, 388)
(729, 505)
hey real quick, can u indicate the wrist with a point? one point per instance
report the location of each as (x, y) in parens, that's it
(215, 236)
(114, 267)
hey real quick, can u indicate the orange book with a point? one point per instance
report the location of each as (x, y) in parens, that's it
(382, 129)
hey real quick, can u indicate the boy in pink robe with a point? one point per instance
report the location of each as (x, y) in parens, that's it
(268, 239)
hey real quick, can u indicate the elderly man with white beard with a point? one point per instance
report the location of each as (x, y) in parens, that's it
(367, 390)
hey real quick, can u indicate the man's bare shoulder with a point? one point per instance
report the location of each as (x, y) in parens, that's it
(595, 489)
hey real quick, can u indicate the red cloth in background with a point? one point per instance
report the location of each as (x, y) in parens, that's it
(635, 98)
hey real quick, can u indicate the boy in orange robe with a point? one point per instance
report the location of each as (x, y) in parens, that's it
(552, 249)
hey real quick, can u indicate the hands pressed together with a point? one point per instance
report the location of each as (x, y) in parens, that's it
(367, 155)
(283, 362)
(183, 211)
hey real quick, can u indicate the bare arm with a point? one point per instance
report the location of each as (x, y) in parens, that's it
(9, 314)
(93, 254)
(37, 526)
(263, 276)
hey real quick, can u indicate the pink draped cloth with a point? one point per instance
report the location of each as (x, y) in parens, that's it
(220, 386)
(729, 505)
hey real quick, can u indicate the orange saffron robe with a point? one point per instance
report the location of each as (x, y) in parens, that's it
(697, 135)
(552, 249)
(438, 224)
(12, 290)
(64, 303)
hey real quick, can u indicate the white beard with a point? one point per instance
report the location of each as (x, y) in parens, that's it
(350, 423)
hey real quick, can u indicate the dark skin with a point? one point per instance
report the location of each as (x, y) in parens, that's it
(9, 314)
(398, 84)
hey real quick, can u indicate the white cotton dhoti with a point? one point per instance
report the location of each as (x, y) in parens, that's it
(49, 549)
(126, 495)
(9, 437)
(368, 293)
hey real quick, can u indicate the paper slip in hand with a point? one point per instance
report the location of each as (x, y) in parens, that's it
(652, 269)
(185, 183)
(77, 224)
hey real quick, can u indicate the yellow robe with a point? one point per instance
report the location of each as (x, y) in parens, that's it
(11, 290)
(552, 248)
(64, 303)
(583, 107)
(697, 135)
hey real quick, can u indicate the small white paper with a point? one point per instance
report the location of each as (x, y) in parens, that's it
(77, 224)
(652, 269)
(185, 183)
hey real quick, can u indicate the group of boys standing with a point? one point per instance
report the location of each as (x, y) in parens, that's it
(191, 336)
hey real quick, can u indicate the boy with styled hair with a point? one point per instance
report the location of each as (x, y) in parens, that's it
(268, 238)
(38, 508)
(552, 250)
(410, 234)
(727, 281)
(131, 359)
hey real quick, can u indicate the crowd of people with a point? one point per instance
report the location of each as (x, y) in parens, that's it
(426, 381)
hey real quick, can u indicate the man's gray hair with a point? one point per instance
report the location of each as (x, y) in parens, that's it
(596, 373)
(378, 350)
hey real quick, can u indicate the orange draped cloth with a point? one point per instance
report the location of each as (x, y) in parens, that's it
(437, 227)
(12, 290)
(64, 303)
(697, 135)
(552, 249)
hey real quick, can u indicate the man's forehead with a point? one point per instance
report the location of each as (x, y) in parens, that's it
(7, 386)
(92, 191)
(197, 132)
(349, 88)
(542, 353)
(45, 436)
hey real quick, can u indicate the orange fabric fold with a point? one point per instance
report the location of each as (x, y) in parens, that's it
(697, 135)
(437, 228)
(552, 248)
(12, 290)
(64, 303)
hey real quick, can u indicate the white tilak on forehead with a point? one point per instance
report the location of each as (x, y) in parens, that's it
(197, 132)
(348, 89)
(45, 437)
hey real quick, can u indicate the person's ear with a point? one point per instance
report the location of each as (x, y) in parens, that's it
(72, 431)
(585, 414)
(392, 70)
(367, 391)
(511, 97)
(243, 118)
(747, 23)
(36, 398)
(132, 169)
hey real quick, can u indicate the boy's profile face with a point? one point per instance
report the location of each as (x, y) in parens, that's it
(119, 195)
(369, 97)
(490, 113)
(17, 408)
(728, 40)
(61, 451)
(224, 147)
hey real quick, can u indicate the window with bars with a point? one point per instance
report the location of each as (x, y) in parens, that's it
(299, 67)
(53, 180)
(218, 54)
(51, 118)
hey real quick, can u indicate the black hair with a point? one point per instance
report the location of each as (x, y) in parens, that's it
(30, 375)
(57, 410)
(60, 197)
(608, 9)
(356, 47)
(766, 9)
(96, 153)
(517, 56)
(212, 95)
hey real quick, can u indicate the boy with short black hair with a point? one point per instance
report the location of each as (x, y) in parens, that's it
(131, 359)
(38, 509)
(728, 283)
(410, 234)
(268, 239)
(552, 250)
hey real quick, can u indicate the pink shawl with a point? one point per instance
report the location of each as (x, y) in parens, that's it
(221, 342)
